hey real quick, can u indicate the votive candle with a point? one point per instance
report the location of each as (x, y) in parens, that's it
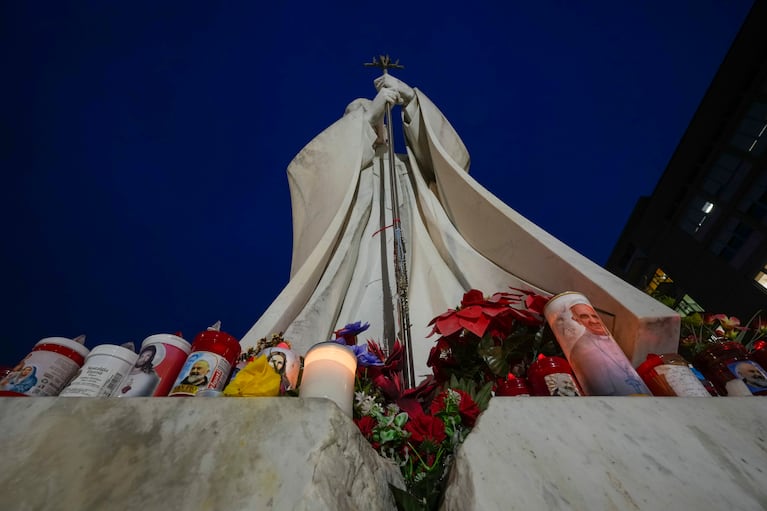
(329, 369)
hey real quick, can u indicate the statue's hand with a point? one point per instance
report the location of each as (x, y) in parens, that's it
(376, 109)
(387, 81)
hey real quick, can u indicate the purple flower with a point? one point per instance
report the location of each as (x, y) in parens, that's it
(364, 357)
(349, 333)
(352, 329)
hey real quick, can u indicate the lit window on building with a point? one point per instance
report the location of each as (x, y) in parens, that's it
(697, 216)
(687, 305)
(750, 136)
(761, 278)
(658, 278)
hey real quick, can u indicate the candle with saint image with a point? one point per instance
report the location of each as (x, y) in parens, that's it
(598, 362)
(329, 369)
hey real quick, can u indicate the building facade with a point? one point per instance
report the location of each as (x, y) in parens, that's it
(699, 241)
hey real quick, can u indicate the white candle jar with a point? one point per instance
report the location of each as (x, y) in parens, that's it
(329, 369)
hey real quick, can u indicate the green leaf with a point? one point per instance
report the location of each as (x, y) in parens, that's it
(387, 436)
(482, 397)
(494, 356)
(406, 501)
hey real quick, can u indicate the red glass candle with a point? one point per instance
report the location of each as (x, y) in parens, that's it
(731, 370)
(552, 376)
(669, 375)
(512, 386)
(759, 353)
(208, 365)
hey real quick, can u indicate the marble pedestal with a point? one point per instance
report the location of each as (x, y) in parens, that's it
(621, 453)
(592, 453)
(161, 454)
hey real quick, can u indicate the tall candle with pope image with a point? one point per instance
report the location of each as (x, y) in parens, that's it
(599, 363)
(329, 369)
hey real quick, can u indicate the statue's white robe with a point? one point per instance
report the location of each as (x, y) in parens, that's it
(458, 236)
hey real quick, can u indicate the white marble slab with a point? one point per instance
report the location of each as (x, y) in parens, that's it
(622, 453)
(163, 454)
(590, 453)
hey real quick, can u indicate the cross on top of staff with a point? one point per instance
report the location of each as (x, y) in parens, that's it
(384, 63)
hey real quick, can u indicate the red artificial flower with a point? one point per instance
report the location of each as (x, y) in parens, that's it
(536, 303)
(479, 315)
(472, 297)
(446, 323)
(393, 362)
(501, 326)
(526, 317)
(387, 376)
(415, 401)
(366, 425)
(471, 318)
(389, 385)
(426, 428)
(441, 359)
(467, 408)
(533, 301)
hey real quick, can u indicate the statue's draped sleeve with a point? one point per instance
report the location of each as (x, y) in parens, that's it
(518, 246)
(323, 178)
(422, 120)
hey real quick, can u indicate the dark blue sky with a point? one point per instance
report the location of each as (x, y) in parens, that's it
(144, 144)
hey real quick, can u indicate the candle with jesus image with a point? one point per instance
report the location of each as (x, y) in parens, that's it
(597, 361)
(329, 369)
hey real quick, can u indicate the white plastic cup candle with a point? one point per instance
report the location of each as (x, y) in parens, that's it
(329, 369)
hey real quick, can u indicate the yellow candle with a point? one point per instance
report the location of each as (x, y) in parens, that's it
(329, 369)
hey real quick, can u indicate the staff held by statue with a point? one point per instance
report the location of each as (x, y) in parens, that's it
(400, 262)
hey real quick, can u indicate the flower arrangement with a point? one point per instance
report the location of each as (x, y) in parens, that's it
(700, 331)
(487, 338)
(419, 429)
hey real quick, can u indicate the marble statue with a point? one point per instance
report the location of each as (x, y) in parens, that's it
(457, 236)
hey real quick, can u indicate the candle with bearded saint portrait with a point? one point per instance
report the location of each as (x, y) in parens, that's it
(209, 364)
(597, 361)
(160, 361)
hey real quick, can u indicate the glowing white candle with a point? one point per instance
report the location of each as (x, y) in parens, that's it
(329, 369)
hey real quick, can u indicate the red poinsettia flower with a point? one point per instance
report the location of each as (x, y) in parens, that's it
(471, 318)
(533, 301)
(426, 428)
(472, 297)
(536, 303)
(441, 358)
(480, 315)
(467, 408)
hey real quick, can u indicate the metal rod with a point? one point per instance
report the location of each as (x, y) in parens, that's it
(400, 260)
